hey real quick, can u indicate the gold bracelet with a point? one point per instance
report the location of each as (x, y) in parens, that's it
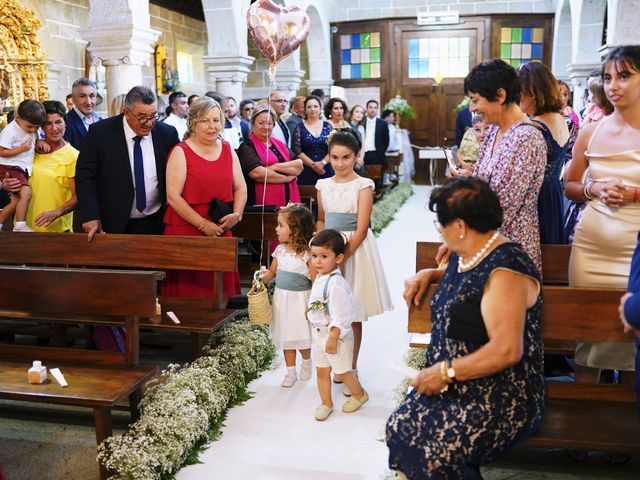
(443, 373)
(201, 224)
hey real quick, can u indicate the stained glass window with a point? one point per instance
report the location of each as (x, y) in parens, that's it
(360, 56)
(521, 45)
(438, 57)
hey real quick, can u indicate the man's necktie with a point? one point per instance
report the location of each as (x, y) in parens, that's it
(138, 172)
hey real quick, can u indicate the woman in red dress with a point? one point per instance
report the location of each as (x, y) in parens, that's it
(199, 169)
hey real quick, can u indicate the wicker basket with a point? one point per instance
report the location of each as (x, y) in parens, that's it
(259, 306)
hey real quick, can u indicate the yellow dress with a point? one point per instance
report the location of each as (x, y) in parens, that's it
(602, 249)
(51, 188)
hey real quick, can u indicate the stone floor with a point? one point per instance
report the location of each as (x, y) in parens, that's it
(273, 436)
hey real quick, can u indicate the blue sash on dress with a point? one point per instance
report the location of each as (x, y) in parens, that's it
(343, 222)
(294, 282)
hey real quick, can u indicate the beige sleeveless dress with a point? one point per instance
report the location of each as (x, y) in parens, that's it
(602, 248)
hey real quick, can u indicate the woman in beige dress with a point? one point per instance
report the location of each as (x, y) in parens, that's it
(607, 234)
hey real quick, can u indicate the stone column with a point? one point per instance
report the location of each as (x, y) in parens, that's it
(622, 24)
(228, 74)
(288, 81)
(122, 39)
(324, 84)
(578, 74)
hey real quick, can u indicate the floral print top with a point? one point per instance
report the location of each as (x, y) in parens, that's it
(514, 168)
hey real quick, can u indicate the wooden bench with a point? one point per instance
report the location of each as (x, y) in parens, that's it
(197, 316)
(577, 415)
(394, 160)
(256, 227)
(97, 379)
(308, 195)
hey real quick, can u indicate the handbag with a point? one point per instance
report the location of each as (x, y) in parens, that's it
(219, 209)
(466, 324)
(259, 306)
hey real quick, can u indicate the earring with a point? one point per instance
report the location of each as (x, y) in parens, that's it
(461, 236)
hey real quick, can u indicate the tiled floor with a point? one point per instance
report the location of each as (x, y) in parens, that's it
(273, 436)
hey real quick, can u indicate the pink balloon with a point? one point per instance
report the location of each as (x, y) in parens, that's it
(278, 31)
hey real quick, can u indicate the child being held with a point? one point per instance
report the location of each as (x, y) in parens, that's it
(291, 269)
(17, 149)
(331, 312)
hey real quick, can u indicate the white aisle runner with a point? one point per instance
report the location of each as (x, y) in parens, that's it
(274, 435)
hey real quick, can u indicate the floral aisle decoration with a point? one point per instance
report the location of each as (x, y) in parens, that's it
(464, 103)
(183, 409)
(401, 107)
(384, 210)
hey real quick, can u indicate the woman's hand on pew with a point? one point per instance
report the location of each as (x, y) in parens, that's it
(92, 227)
(229, 221)
(416, 286)
(625, 324)
(442, 257)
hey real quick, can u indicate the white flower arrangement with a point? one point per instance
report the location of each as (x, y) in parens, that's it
(384, 210)
(401, 107)
(182, 407)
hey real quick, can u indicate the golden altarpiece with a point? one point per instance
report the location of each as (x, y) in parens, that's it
(23, 70)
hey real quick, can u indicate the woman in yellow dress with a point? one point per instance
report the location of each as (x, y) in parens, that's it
(52, 179)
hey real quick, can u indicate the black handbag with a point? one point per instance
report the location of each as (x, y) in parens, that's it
(466, 324)
(219, 209)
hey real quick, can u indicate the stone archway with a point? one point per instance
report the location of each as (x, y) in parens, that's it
(22, 66)
(562, 41)
(318, 42)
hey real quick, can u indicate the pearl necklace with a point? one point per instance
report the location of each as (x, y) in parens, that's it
(463, 267)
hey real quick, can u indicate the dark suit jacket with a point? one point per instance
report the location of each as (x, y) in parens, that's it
(293, 122)
(75, 132)
(463, 121)
(104, 182)
(381, 137)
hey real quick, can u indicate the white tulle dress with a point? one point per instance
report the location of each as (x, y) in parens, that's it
(363, 270)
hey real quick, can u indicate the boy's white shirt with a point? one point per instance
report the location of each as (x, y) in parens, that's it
(342, 306)
(13, 136)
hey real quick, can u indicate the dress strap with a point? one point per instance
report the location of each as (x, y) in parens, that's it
(594, 134)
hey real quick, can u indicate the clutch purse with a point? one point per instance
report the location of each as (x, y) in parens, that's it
(219, 209)
(466, 324)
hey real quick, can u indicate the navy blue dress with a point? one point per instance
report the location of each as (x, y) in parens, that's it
(632, 310)
(551, 196)
(315, 148)
(448, 436)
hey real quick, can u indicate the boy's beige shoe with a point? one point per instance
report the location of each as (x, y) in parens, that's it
(322, 413)
(354, 404)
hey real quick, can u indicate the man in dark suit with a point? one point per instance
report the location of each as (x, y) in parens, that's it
(120, 174)
(463, 121)
(296, 107)
(80, 118)
(376, 136)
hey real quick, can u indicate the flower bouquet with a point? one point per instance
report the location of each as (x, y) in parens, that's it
(401, 107)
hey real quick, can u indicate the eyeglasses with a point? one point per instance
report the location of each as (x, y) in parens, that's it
(144, 119)
(438, 226)
(282, 100)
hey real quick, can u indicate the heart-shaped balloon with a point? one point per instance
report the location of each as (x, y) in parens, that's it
(278, 31)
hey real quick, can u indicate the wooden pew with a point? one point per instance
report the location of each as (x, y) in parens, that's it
(256, 227)
(308, 195)
(394, 160)
(577, 415)
(97, 379)
(374, 172)
(198, 316)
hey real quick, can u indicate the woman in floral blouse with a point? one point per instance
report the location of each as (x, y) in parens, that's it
(513, 156)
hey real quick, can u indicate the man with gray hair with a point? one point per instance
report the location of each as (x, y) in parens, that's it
(120, 174)
(80, 118)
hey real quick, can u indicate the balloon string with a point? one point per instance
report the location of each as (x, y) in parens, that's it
(272, 77)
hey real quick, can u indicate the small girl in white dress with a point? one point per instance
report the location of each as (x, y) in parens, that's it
(293, 273)
(344, 204)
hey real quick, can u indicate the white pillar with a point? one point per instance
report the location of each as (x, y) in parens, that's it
(121, 37)
(324, 84)
(288, 81)
(578, 74)
(228, 74)
(622, 24)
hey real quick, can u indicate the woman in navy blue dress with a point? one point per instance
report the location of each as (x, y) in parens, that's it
(309, 143)
(541, 99)
(483, 388)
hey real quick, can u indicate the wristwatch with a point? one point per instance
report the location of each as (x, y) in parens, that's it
(324, 162)
(451, 373)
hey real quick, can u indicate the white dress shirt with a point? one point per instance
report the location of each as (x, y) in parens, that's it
(342, 306)
(180, 124)
(85, 120)
(150, 172)
(394, 146)
(279, 134)
(370, 135)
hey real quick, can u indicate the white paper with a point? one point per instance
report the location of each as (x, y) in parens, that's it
(57, 374)
(405, 370)
(173, 317)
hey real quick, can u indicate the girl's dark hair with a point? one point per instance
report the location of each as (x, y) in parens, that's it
(487, 77)
(329, 106)
(469, 199)
(625, 57)
(52, 107)
(301, 224)
(345, 137)
(538, 82)
(331, 239)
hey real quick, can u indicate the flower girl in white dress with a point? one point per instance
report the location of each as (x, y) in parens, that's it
(344, 203)
(294, 275)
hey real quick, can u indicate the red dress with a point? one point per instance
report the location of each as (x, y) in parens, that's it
(205, 181)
